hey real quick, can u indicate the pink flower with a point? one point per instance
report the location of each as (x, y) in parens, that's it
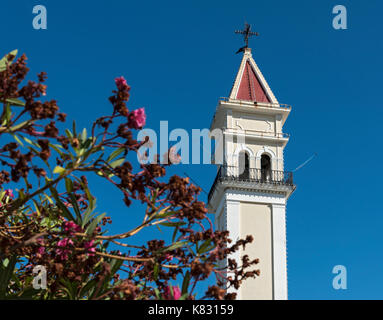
(168, 257)
(137, 118)
(168, 294)
(121, 83)
(71, 227)
(41, 250)
(65, 242)
(63, 253)
(89, 248)
(9, 193)
(40, 241)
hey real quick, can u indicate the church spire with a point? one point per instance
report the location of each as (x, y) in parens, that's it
(250, 85)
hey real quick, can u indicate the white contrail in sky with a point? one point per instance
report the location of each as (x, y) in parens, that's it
(306, 162)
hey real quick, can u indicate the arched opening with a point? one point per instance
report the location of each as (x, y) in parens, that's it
(244, 165)
(265, 168)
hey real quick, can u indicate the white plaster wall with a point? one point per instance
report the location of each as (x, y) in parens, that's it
(255, 220)
(263, 215)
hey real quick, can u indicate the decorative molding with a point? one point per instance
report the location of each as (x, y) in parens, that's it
(238, 125)
(256, 197)
(243, 147)
(247, 188)
(268, 151)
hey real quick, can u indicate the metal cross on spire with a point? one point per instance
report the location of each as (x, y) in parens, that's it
(247, 33)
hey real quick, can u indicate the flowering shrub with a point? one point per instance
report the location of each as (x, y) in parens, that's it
(48, 219)
(172, 293)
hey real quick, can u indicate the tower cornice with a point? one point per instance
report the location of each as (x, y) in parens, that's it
(255, 107)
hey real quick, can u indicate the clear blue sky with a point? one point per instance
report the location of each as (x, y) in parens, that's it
(178, 56)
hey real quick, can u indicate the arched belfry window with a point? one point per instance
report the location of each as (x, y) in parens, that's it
(265, 168)
(244, 165)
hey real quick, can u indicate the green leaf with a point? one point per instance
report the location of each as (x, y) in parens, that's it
(69, 288)
(83, 135)
(171, 291)
(19, 126)
(87, 144)
(21, 195)
(158, 294)
(88, 289)
(7, 115)
(174, 234)
(28, 140)
(4, 61)
(117, 163)
(48, 198)
(56, 147)
(185, 283)
(204, 246)
(74, 129)
(36, 207)
(6, 271)
(15, 102)
(166, 214)
(68, 185)
(76, 208)
(115, 154)
(66, 213)
(17, 139)
(69, 134)
(115, 265)
(29, 293)
(88, 195)
(156, 270)
(190, 249)
(35, 144)
(5, 262)
(92, 205)
(94, 224)
(58, 170)
(87, 216)
(174, 246)
(92, 150)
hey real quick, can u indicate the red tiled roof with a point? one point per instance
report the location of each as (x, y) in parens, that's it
(250, 88)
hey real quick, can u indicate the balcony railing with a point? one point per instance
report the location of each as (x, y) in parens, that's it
(231, 173)
(262, 104)
(267, 134)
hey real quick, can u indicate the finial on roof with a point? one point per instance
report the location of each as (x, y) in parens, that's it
(247, 33)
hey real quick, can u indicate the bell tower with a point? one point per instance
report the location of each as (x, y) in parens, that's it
(250, 192)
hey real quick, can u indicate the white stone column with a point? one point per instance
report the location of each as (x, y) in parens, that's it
(279, 252)
(229, 149)
(232, 216)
